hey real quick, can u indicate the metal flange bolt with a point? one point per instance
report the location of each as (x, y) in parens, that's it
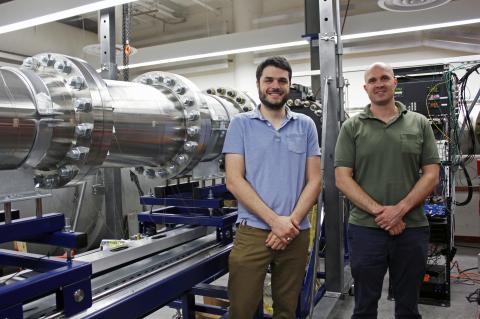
(188, 102)
(62, 67)
(190, 146)
(82, 105)
(84, 130)
(30, 63)
(67, 172)
(78, 295)
(78, 153)
(193, 115)
(76, 83)
(193, 130)
(181, 159)
(169, 82)
(47, 61)
(180, 90)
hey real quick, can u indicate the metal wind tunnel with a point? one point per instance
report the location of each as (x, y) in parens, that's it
(60, 118)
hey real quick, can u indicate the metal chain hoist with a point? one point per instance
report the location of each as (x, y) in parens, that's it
(127, 49)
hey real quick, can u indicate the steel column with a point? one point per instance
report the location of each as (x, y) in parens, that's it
(112, 176)
(331, 75)
(107, 43)
(312, 28)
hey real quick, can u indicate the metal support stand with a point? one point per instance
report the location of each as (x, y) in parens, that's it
(199, 206)
(112, 176)
(68, 279)
(323, 28)
(331, 80)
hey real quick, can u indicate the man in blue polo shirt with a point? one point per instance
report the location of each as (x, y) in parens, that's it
(272, 160)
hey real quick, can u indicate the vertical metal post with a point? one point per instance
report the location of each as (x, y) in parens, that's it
(188, 306)
(315, 65)
(312, 28)
(330, 62)
(112, 176)
(7, 210)
(38, 207)
(107, 43)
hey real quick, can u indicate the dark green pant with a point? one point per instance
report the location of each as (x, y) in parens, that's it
(248, 265)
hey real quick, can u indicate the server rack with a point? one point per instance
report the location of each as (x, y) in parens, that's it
(431, 91)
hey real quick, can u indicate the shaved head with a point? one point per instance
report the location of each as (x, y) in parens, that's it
(378, 65)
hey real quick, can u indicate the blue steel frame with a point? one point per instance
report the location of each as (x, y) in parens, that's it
(304, 298)
(200, 197)
(175, 215)
(162, 292)
(194, 209)
(43, 230)
(65, 278)
(62, 277)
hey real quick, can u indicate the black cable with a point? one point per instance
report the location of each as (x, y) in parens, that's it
(345, 16)
(474, 296)
(469, 187)
(464, 107)
(468, 269)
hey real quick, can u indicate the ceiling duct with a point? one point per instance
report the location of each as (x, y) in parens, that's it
(410, 5)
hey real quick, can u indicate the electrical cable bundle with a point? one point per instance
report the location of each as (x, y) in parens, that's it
(460, 161)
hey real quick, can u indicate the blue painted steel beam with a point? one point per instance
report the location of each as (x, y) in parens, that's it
(26, 229)
(162, 292)
(66, 277)
(63, 239)
(211, 309)
(217, 221)
(29, 261)
(189, 210)
(182, 202)
(213, 291)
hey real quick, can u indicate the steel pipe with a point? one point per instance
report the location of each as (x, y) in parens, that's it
(60, 118)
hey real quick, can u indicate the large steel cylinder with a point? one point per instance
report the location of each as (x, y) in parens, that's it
(59, 117)
(17, 111)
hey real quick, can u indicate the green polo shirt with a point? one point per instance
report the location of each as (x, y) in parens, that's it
(386, 159)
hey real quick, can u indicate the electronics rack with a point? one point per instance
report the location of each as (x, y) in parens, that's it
(429, 90)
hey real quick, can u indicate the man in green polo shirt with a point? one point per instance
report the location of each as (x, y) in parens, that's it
(378, 159)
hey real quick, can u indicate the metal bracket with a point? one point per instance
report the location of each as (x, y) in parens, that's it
(329, 37)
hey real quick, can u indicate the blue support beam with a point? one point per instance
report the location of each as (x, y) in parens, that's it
(161, 293)
(213, 291)
(189, 210)
(217, 221)
(63, 239)
(26, 229)
(43, 230)
(182, 202)
(55, 276)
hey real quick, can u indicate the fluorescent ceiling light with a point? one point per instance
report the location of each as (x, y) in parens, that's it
(219, 53)
(409, 29)
(304, 42)
(95, 6)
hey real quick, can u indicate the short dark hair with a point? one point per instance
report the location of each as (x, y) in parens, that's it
(278, 62)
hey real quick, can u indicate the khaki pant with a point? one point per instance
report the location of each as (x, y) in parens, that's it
(248, 265)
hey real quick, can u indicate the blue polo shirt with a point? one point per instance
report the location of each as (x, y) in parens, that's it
(275, 160)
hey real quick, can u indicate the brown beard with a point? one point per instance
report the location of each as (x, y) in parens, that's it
(268, 104)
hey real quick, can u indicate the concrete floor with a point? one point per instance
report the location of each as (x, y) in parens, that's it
(460, 308)
(335, 308)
